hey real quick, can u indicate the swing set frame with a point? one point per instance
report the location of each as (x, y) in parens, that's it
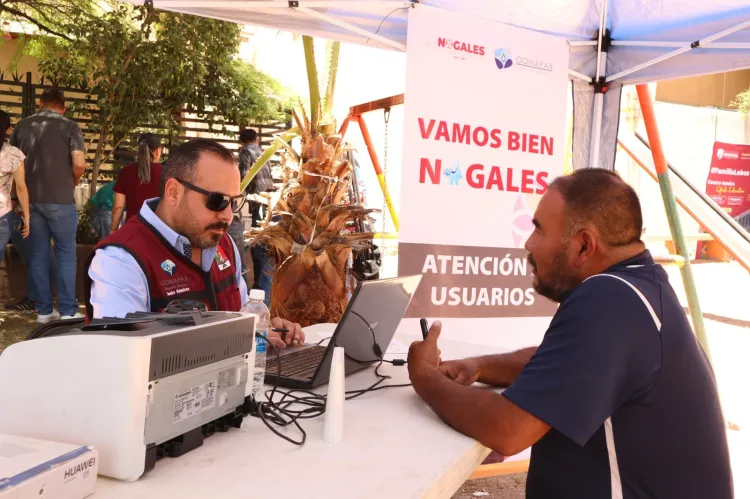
(355, 115)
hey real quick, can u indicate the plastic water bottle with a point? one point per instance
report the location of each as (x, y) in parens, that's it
(256, 305)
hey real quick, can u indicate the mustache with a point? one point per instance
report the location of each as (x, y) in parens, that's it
(218, 225)
(531, 260)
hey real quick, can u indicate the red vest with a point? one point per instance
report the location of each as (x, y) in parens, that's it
(170, 275)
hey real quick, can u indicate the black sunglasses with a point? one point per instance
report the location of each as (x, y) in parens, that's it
(215, 201)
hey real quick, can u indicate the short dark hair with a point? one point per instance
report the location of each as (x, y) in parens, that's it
(183, 158)
(248, 135)
(599, 198)
(53, 96)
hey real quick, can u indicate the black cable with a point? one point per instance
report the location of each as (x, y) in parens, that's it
(275, 414)
(283, 412)
(386, 17)
(375, 347)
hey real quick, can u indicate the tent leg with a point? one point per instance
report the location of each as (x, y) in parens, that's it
(649, 118)
(378, 170)
(596, 130)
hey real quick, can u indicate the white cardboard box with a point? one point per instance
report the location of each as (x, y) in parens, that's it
(31, 468)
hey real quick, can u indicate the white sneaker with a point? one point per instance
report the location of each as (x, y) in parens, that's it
(76, 316)
(44, 319)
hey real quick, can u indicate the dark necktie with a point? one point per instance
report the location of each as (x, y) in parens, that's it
(187, 250)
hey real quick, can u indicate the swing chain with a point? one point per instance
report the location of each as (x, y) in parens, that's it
(386, 117)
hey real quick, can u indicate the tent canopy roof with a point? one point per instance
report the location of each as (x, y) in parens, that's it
(670, 24)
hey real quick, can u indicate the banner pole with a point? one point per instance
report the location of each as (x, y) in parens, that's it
(660, 162)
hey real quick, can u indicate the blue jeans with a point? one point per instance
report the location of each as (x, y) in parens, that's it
(5, 230)
(60, 223)
(23, 248)
(263, 269)
(101, 219)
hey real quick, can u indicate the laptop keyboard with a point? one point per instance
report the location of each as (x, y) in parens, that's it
(297, 362)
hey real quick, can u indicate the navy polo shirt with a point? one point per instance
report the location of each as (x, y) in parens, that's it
(629, 394)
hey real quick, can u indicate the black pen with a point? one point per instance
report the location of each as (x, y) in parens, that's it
(425, 331)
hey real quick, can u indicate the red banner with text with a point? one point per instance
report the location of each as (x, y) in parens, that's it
(728, 182)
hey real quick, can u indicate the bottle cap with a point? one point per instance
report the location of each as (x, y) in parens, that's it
(257, 294)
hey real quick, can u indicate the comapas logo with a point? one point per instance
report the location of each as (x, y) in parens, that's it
(168, 266)
(720, 154)
(503, 59)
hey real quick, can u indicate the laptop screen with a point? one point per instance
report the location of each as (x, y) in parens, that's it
(372, 317)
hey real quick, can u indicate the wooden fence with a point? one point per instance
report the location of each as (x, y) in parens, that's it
(19, 98)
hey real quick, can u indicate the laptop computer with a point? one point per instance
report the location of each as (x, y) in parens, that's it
(365, 331)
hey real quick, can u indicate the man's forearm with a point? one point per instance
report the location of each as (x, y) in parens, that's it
(503, 369)
(79, 165)
(78, 173)
(473, 411)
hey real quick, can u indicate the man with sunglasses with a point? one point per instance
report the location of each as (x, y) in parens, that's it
(178, 248)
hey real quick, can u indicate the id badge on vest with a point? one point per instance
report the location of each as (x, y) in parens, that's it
(221, 259)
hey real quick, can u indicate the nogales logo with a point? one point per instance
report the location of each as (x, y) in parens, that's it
(168, 266)
(460, 46)
(483, 177)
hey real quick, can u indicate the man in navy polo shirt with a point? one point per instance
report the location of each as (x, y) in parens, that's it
(619, 400)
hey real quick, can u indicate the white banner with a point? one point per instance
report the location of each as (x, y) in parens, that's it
(484, 136)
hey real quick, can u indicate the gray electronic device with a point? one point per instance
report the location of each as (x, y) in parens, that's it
(366, 329)
(137, 389)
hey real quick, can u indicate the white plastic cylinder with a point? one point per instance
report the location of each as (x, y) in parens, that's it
(333, 420)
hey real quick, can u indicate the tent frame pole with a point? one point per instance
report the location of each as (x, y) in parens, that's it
(351, 27)
(684, 48)
(278, 4)
(673, 216)
(580, 76)
(711, 45)
(596, 129)
(602, 47)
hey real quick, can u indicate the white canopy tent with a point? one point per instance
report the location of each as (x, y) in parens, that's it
(612, 42)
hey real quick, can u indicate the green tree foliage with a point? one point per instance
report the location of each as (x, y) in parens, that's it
(144, 66)
(742, 102)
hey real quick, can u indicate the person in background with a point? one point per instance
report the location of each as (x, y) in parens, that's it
(261, 184)
(54, 149)
(101, 210)
(139, 180)
(21, 245)
(249, 153)
(619, 400)
(11, 171)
